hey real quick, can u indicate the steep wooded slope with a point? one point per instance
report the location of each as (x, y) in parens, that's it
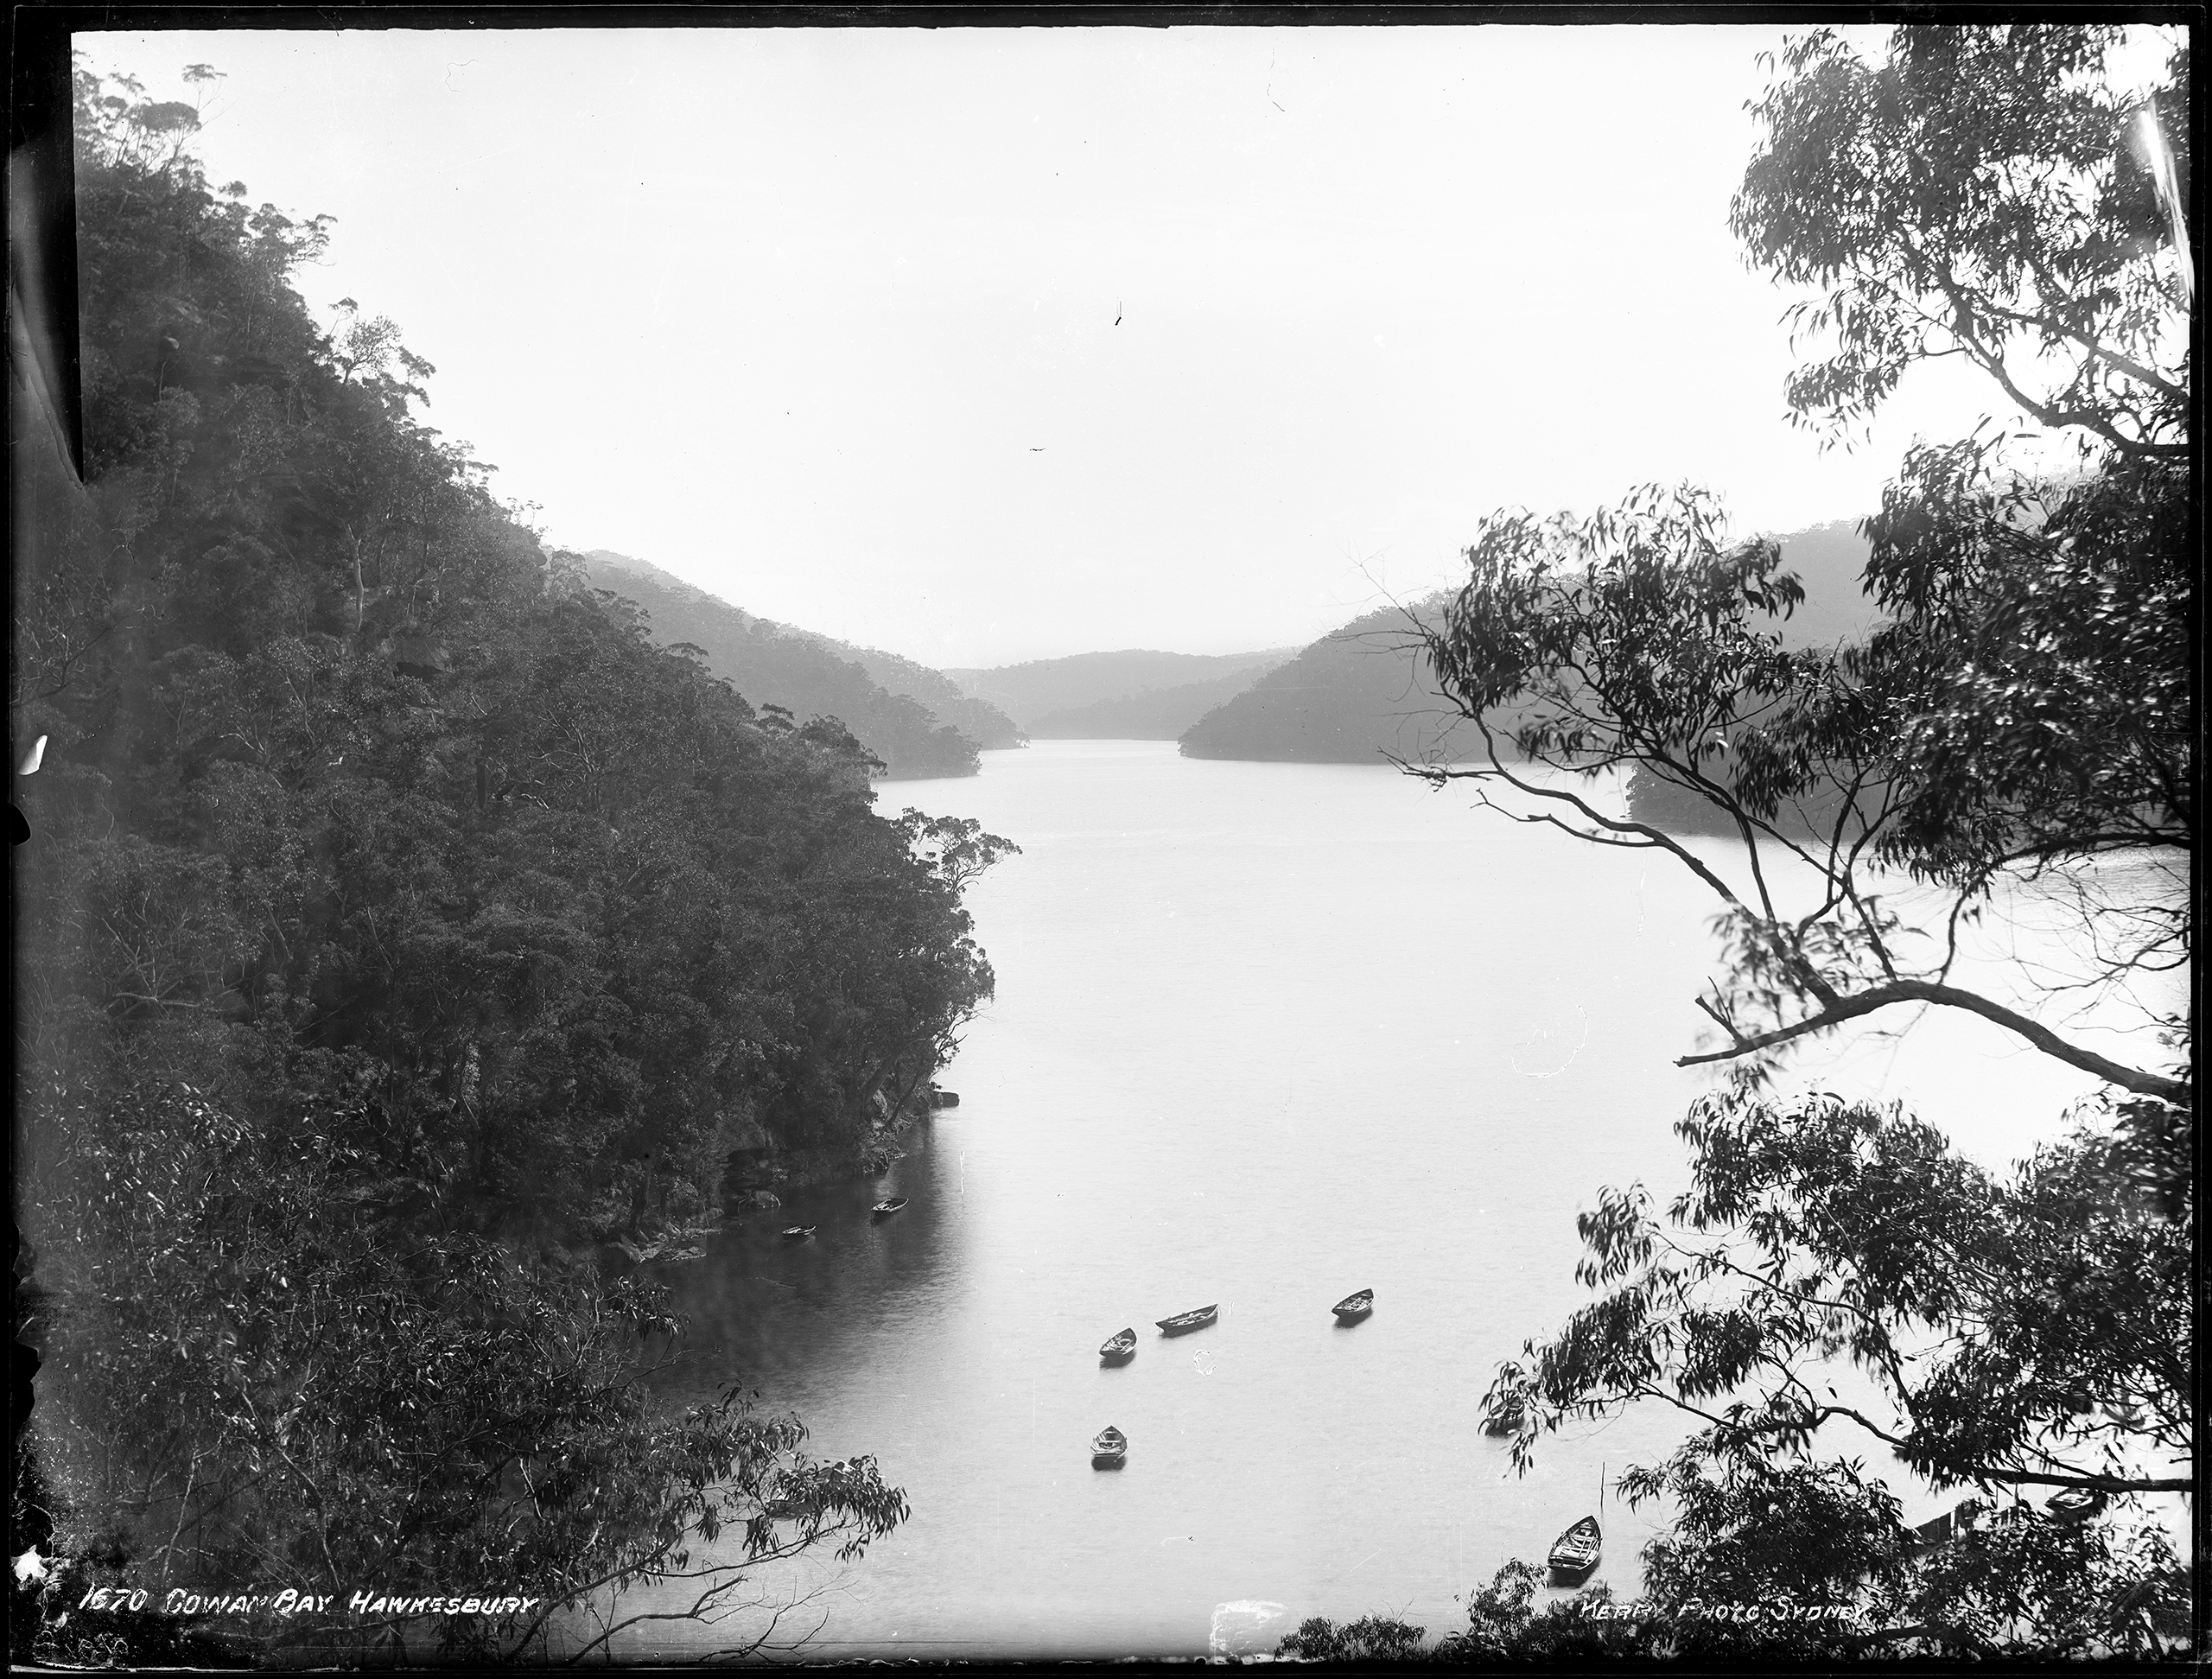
(773, 665)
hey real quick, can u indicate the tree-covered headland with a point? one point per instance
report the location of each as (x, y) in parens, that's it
(1843, 1308)
(399, 929)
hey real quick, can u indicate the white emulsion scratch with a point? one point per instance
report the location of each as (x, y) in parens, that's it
(1245, 1620)
(1541, 1038)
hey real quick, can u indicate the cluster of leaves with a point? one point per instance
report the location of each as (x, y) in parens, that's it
(476, 927)
(2026, 708)
(2036, 666)
(300, 1384)
(1503, 1624)
(2030, 1334)
(1977, 193)
(1370, 1639)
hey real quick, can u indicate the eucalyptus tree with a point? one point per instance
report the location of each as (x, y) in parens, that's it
(2020, 724)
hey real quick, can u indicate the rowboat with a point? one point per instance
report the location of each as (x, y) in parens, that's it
(1110, 1450)
(798, 1232)
(1119, 1348)
(1504, 1423)
(1352, 1307)
(1184, 1322)
(1576, 1552)
(885, 1209)
(2074, 1503)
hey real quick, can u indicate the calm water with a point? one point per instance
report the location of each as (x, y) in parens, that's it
(1264, 1034)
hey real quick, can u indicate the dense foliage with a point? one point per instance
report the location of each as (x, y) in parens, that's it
(1980, 193)
(914, 721)
(2015, 732)
(398, 923)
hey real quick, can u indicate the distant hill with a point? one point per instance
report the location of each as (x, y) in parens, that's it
(771, 665)
(1830, 559)
(978, 719)
(1355, 695)
(1363, 690)
(1158, 714)
(1063, 691)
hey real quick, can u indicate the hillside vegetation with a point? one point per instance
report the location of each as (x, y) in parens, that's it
(1363, 692)
(978, 719)
(398, 927)
(808, 674)
(1353, 697)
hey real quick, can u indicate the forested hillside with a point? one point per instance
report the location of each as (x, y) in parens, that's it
(807, 674)
(1352, 697)
(978, 719)
(1362, 692)
(398, 924)
(1043, 691)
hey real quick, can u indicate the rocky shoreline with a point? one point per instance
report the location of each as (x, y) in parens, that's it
(757, 1172)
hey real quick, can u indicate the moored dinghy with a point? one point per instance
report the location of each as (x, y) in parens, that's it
(2076, 1503)
(1352, 1307)
(1119, 1348)
(1184, 1322)
(798, 1232)
(885, 1209)
(1576, 1552)
(1110, 1450)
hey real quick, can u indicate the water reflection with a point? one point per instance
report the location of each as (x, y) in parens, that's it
(771, 1312)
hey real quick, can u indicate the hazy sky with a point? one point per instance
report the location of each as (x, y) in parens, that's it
(984, 345)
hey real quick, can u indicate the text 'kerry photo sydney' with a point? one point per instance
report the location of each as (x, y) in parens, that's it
(1353, 841)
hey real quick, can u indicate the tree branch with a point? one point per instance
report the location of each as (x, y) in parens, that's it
(1910, 990)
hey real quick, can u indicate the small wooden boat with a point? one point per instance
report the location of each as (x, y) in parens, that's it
(1184, 1322)
(1576, 1552)
(2076, 1503)
(1352, 1307)
(1505, 1422)
(1119, 1348)
(1110, 1450)
(798, 1232)
(885, 1209)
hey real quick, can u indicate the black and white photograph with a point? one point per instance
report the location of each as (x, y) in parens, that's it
(888, 835)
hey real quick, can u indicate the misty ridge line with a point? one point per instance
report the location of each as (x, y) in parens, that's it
(1357, 695)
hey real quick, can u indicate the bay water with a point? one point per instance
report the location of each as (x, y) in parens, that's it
(1264, 1034)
